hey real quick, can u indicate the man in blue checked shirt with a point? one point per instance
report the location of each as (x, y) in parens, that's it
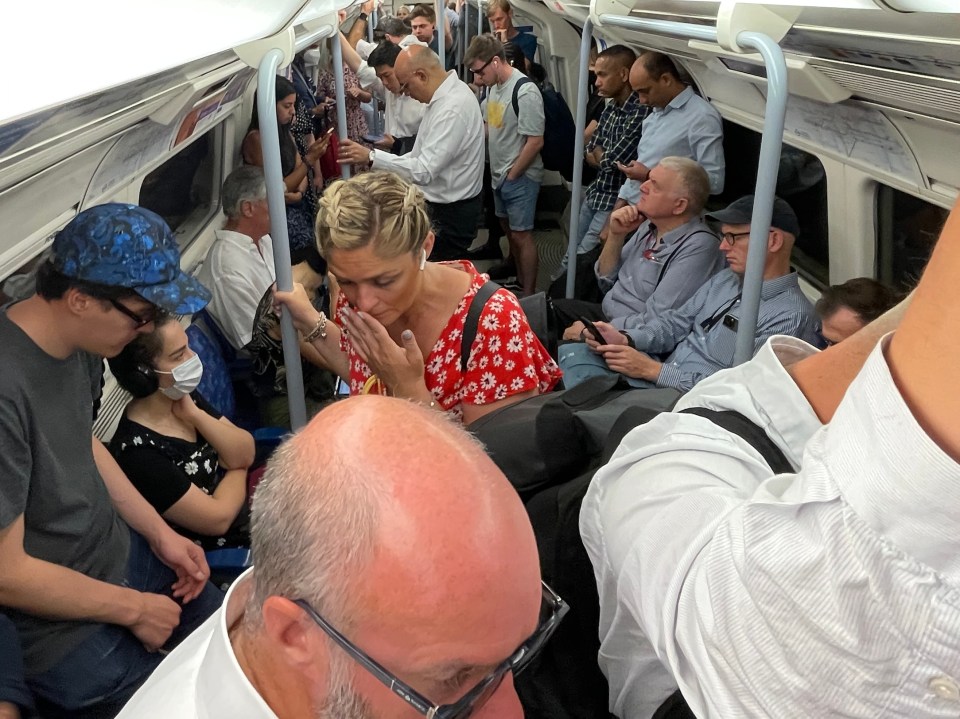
(698, 338)
(614, 142)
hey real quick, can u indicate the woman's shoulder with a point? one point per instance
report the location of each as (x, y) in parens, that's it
(132, 435)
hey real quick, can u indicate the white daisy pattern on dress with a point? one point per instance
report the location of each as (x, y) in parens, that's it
(505, 358)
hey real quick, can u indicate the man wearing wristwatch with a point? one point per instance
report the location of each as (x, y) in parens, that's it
(699, 336)
(446, 161)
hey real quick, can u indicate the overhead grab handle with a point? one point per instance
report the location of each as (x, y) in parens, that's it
(735, 17)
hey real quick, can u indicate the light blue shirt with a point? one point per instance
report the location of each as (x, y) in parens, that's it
(688, 126)
(701, 334)
(650, 278)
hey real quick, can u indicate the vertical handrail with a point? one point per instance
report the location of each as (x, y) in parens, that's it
(440, 29)
(464, 39)
(768, 165)
(341, 98)
(273, 176)
(371, 24)
(479, 17)
(578, 145)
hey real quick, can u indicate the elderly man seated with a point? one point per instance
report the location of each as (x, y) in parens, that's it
(832, 591)
(699, 336)
(371, 591)
(670, 252)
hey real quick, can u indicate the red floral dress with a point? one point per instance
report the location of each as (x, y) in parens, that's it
(506, 357)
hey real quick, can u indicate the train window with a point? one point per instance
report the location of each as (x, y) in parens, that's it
(185, 190)
(802, 182)
(907, 229)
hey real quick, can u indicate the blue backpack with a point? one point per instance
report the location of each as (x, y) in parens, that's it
(559, 129)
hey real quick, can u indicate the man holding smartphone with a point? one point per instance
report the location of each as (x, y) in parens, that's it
(698, 338)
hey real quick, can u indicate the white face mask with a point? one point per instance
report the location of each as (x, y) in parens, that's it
(186, 377)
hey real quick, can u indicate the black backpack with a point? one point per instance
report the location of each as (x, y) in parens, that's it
(559, 129)
(565, 681)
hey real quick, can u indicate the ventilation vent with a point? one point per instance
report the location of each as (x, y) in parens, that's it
(903, 94)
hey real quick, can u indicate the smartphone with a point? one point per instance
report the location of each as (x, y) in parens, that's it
(592, 329)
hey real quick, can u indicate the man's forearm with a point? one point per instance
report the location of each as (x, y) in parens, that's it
(44, 589)
(526, 157)
(824, 377)
(357, 31)
(129, 503)
(924, 351)
(610, 254)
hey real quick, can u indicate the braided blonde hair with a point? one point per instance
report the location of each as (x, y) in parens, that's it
(375, 208)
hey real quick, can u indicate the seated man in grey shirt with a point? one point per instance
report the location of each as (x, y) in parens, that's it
(670, 253)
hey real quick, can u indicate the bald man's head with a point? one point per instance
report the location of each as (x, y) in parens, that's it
(394, 526)
(380, 485)
(419, 72)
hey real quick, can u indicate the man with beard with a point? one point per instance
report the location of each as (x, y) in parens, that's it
(381, 588)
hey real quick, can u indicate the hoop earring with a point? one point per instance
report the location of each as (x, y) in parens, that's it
(423, 259)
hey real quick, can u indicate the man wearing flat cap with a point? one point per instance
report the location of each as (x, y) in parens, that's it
(94, 580)
(699, 337)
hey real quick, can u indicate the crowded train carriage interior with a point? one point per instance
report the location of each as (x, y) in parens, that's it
(834, 131)
(865, 160)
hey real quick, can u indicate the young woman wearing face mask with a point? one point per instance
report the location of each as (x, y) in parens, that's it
(184, 458)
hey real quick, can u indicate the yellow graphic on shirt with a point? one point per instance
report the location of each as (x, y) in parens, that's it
(495, 114)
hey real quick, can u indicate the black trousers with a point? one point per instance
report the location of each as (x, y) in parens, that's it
(569, 311)
(455, 225)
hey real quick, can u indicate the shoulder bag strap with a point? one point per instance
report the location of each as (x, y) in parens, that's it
(472, 320)
(750, 433)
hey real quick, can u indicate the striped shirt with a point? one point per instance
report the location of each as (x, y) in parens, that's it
(687, 127)
(618, 133)
(834, 591)
(700, 335)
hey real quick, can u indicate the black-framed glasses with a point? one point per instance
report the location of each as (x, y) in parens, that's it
(731, 237)
(139, 320)
(552, 611)
(823, 341)
(483, 67)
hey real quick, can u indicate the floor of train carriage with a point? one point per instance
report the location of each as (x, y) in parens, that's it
(550, 235)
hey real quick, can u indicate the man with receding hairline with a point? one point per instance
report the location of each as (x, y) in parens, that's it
(375, 553)
(446, 161)
(681, 123)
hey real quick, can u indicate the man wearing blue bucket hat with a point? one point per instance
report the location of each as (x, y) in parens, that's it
(93, 578)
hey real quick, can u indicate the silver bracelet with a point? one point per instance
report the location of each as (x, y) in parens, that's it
(319, 330)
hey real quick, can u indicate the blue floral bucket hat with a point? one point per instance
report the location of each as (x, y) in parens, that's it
(122, 245)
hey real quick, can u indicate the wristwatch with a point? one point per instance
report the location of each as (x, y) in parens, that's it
(630, 342)
(370, 158)
(362, 16)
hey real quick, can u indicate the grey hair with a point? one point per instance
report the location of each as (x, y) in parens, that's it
(693, 179)
(244, 184)
(314, 528)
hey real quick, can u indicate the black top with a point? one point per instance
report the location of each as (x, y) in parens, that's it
(162, 469)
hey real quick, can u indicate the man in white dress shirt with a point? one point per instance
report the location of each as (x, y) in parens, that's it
(381, 588)
(239, 265)
(829, 592)
(447, 158)
(402, 114)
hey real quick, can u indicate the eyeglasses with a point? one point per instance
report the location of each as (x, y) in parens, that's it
(731, 237)
(824, 342)
(139, 320)
(483, 67)
(552, 611)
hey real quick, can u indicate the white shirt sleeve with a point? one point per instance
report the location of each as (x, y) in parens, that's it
(447, 137)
